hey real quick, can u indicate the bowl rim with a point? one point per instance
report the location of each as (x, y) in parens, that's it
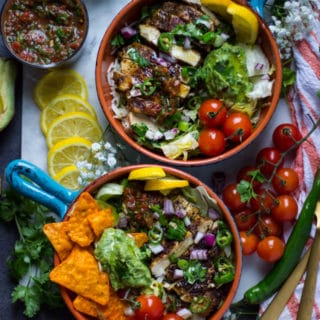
(237, 249)
(196, 161)
(58, 64)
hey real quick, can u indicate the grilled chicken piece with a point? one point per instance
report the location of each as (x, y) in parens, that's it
(149, 107)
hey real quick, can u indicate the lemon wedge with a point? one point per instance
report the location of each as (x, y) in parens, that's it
(244, 22)
(68, 177)
(73, 124)
(58, 82)
(219, 7)
(67, 152)
(165, 184)
(63, 104)
(148, 173)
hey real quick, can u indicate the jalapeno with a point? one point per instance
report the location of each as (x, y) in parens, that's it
(200, 304)
(224, 236)
(165, 41)
(155, 235)
(148, 87)
(224, 270)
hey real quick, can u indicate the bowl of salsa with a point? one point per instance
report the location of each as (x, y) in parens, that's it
(44, 34)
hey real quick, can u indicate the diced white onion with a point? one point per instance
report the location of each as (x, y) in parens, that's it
(184, 313)
(168, 206)
(178, 274)
(156, 248)
(199, 236)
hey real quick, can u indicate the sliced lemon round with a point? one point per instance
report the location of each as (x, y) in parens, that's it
(59, 82)
(74, 124)
(66, 153)
(63, 104)
(244, 22)
(68, 177)
(148, 173)
(218, 6)
(165, 184)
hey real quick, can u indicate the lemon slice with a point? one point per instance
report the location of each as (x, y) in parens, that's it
(59, 82)
(67, 152)
(63, 104)
(244, 22)
(219, 7)
(165, 184)
(68, 177)
(73, 124)
(148, 173)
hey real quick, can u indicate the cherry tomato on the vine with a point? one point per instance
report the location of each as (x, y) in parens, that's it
(285, 136)
(267, 158)
(263, 201)
(212, 113)
(232, 198)
(237, 127)
(249, 242)
(245, 219)
(285, 181)
(172, 316)
(286, 208)
(270, 248)
(268, 226)
(211, 141)
(151, 308)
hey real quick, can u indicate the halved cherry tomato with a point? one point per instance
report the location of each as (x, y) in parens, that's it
(263, 201)
(285, 181)
(270, 248)
(249, 242)
(267, 226)
(232, 198)
(285, 136)
(211, 142)
(172, 316)
(266, 160)
(237, 127)
(151, 308)
(286, 208)
(245, 219)
(212, 113)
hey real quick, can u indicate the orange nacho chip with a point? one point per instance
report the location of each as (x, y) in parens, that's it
(80, 273)
(139, 237)
(56, 232)
(101, 220)
(114, 310)
(78, 227)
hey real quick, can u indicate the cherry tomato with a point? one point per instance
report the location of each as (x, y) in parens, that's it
(268, 226)
(211, 142)
(264, 201)
(270, 248)
(212, 113)
(245, 219)
(249, 242)
(237, 127)
(266, 160)
(172, 316)
(285, 181)
(286, 208)
(151, 308)
(232, 198)
(249, 173)
(285, 136)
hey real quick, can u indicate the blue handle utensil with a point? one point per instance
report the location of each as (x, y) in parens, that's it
(34, 183)
(258, 5)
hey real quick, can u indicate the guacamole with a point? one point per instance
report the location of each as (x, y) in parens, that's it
(122, 260)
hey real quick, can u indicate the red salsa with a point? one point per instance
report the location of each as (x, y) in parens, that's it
(44, 31)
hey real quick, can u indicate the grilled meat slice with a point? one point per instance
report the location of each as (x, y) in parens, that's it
(150, 107)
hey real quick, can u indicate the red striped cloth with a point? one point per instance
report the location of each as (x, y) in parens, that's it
(305, 110)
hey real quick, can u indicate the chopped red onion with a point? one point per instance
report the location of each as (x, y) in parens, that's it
(259, 66)
(265, 77)
(210, 239)
(123, 221)
(161, 61)
(224, 36)
(213, 214)
(170, 134)
(178, 274)
(187, 43)
(135, 92)
(180, 213)
(156, 215)
(199, 236)
(184, 313)
(168, 206)
(199, 254)
(156, 248)
(167, 57)
(128, 32)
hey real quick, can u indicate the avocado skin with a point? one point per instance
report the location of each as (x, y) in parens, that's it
(8, 73)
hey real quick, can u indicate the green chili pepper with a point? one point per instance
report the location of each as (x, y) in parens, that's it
(148, 87)
(176, 230)
(200, 304)
(155, 235)
(165, 41)
(224, 270)
(183, 264)
(224, 236)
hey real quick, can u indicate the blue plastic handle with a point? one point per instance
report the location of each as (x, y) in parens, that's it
(34, 183)
(258, 5)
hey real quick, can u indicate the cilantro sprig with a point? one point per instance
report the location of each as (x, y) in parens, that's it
(32, 256)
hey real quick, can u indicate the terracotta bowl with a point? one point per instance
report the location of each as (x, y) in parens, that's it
(123, 172)
(129, 14)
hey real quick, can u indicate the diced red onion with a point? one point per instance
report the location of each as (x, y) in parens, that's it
(170, 134)
(224, 36)
(156, 215)
(187, 43)
(186, 221)
(128, 32)
(135, 92)
(265, 77)
(213, 214)
(199, 254)
(259, 66)
(184, 313)
(156, 248)
(167, 57)
(161, 61)
(180, 213)
(168, 206)
(199, 236)
(123, 221)
(178, 274)
(210, 239)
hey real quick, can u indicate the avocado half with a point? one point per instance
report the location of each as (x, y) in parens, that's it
(8, 73)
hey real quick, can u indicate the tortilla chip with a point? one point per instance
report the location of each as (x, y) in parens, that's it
(114, 310)
(139, 237)
(80, 273)
(56, 232)
(101, 220)
(78, 227)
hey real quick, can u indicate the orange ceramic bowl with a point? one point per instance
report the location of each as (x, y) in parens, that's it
(236, 248)
(131, 13)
